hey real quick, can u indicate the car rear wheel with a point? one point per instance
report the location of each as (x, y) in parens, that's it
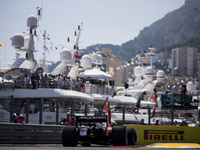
(69, 136)
(119, 135)
(132, 136)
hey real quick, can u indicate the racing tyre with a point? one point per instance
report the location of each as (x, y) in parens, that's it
(132, 136)
(69, 136)
(119, 135)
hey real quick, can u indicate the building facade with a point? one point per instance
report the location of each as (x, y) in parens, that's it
(127, 72)
(110, 63)
(185, 60)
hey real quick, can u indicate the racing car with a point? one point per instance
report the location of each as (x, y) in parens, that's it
(95, 130)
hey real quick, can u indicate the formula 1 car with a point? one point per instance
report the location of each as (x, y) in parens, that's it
(94, 130)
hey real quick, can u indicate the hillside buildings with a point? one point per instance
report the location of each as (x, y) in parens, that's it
(185, 60)
(127, 72)
(110, 63)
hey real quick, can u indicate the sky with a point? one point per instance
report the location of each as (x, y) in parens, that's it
(104, 22)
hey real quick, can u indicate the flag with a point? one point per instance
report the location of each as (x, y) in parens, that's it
(107, 109)
(45, 49)
(137, 106)
(153, 113)
(78, 55)
(154, 99)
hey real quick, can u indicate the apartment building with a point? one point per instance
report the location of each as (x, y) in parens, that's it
(110, 63)
(185, 60)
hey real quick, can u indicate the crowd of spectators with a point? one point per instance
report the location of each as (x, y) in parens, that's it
(49, 81)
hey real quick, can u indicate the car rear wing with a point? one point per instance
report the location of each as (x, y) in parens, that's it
(91, 119)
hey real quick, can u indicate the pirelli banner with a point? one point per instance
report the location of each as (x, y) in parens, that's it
(148, 134)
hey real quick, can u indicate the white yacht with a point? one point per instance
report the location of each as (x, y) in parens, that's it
(49, 105)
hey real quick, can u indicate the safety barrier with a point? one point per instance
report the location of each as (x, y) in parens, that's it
(148, 134)
(11, 133)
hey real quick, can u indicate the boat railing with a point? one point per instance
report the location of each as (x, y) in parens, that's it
(7, 85)
(97, 89)
(87, 88)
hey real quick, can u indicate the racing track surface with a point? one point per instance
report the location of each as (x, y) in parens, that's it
(60, 147)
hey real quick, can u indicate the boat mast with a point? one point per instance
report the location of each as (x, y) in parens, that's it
(151, 54)
(76, 48)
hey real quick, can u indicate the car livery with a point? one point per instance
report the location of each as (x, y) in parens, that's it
(94, 130)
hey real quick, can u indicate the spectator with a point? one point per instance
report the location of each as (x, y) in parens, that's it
(184, 89)
(27, 81)
(33, 81)
(83, 107)
(181, 88)
(68, 119)
(184, 123)
(68, 83)
(91, 108)
(174, 123)
(64, 83)
(46, 106)
(46, 81)
(42, 81)
(37, 80)
(71, 84)
(77, 85)
(77, 106)
(82, 85)
(73, 120)
(58, 81)
(156, 123)
(63, 121)
(52, 81)
(142, 122)
(18, 83)
(18, 117)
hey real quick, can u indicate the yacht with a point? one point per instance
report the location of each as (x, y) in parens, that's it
(49, 105)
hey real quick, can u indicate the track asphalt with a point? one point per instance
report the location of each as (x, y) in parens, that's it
(158, 146)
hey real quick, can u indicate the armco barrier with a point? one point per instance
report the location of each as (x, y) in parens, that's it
(11, 133)
(148, 134)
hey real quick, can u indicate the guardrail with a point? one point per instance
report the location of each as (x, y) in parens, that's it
(11, 133)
